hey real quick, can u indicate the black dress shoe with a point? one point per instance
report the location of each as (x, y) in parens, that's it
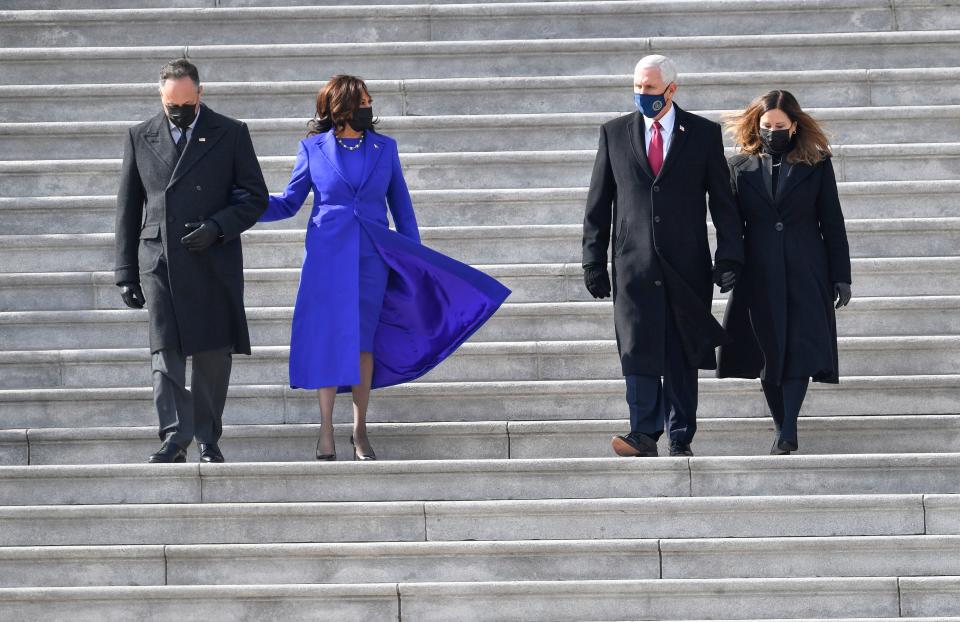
(210, 453)
(359, 456)
(322, 457)
(635, 445)
(169, 452)
(782, 448)
(680, 449)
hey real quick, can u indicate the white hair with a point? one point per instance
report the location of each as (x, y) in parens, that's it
(668, 70)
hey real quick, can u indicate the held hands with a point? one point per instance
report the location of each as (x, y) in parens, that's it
(202, 235)
(597, 280)
(132, 295)
(842, 294)
(725, 275)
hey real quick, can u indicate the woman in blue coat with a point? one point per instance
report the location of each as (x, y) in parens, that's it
(374, 308)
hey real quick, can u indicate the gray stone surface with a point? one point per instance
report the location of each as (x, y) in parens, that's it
(929, 596)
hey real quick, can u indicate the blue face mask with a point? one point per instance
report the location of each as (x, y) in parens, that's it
(650, 105)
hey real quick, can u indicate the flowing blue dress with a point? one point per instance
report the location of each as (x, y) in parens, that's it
(365, 287)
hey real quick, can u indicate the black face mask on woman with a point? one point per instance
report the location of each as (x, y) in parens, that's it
(775, 142)
(362, 119)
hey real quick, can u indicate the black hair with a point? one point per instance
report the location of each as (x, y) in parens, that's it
(179, 68)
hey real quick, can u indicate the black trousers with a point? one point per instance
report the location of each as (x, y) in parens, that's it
(785, 401)
(670, 402)
(197, 412)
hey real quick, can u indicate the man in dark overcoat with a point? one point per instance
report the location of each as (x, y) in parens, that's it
(653, 172)
(178, 252)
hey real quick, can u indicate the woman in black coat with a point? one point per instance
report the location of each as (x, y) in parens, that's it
(797, 261)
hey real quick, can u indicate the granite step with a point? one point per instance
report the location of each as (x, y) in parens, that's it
(822, 88)
(565, 321)
(553, 519)
(464, 59)
(488, 440)
(567, 560)
(519, 206)
(538, 283)
(834, 598)
(430, 134)
(568, 477)
(546, 360)
(477, 245)
(423, 22)
(486, 169)
(516, 400)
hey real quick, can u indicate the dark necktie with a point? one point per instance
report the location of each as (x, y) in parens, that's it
(182, 142)
(656, 149)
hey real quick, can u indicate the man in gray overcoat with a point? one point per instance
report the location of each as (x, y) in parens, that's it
(178, 252)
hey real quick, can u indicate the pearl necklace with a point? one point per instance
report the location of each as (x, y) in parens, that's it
(348, 147)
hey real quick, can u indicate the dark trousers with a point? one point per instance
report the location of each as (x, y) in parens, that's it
(671, 402)
(198, 412)
(785, 401)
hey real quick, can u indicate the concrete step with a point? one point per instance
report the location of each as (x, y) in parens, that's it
(866, 50)
(472, 479)
(484, 245)
(201, 4)
(486, 440)
(504, 95)
(472, 401)
(485, 170)
(534, 206)
(406, 521)
(423, 22)
(578, 600)
(548, 360)
(430, 134)
(901, 276)
(565, 321)
(567, 560)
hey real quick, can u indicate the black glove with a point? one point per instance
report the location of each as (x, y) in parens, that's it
(132, 295)
(202, 235)
(725, 275)
(842, 294)
(596, 279)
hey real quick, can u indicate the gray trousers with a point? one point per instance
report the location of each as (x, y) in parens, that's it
(198, 412)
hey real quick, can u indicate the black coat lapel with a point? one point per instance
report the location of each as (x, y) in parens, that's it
(206, 133)
(158, 139)
(796, 173)
(766, 172)
(638, 141)
(677, 140)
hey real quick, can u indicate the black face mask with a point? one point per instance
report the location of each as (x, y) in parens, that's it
(362, 119)
(182, 116)
(775, 142)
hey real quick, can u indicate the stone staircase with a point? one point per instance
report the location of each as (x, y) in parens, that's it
(496, 498)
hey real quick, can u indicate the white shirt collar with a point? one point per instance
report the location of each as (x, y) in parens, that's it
(666, 122)
(174, 128)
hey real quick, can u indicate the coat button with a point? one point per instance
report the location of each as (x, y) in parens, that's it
(656, 219)
(170, 219)
(199, 188)
(778, 226)
(656, 188)
(658, 283)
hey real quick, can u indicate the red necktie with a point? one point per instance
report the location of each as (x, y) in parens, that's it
(655, 156)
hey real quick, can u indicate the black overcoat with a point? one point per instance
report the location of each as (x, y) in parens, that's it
(780, 314)
(661, 255)
(195, 300)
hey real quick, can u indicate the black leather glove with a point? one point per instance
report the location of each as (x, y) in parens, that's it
(132, 295)
(842, 294)
(725, 275)
(597, 280)
(202, 235)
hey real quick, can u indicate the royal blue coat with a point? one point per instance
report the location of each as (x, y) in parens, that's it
(432, 303)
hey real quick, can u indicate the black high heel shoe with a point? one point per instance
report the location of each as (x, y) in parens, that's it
(359, 456)
(325, 457)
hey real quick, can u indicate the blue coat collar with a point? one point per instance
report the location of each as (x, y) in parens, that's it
(327, 144)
